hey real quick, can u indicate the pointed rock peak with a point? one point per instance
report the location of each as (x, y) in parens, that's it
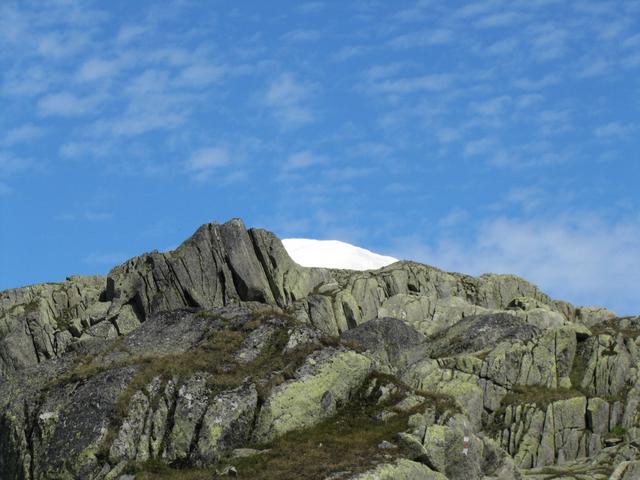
(333, 254)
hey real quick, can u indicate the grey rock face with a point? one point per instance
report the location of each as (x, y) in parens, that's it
(227, 423)
(393, 342)
(225, 344)
(477, 332)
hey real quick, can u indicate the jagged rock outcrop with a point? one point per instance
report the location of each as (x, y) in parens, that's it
(223, 264)
(225, 345)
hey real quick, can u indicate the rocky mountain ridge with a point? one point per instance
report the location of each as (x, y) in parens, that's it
(224, 355)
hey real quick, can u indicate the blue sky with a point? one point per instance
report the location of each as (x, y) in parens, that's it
(490, 136)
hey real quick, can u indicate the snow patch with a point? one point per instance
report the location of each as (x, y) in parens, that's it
(333, 254)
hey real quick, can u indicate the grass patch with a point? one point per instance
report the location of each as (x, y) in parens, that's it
(616, 326)
(616, 432)
(31, 307)
(215, 355)
(541, 396)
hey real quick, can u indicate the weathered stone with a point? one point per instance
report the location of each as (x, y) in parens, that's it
(190, 406)
(227, 423)
(298, 403)
(393, 343)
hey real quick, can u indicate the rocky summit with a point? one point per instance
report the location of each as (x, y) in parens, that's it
(225, 359)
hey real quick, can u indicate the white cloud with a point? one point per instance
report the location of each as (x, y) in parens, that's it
(149, 81)
(301, 35)
(527, 198)
(583, 259)
(22, 134)
(10, 164)
(492, 106)
(423, 38)
(345, 53)
(537, 84)
(147, 112)
(554, 121)
(205, 162)
(26, 82)
(66, 105)
(92, 148)
(128, 32)
(549, 42)
(481, 146)
(497, 20)
(614, 130)
(432, 83)
(473, 9)
(96, 69)
(528, 100)
(286, 96)
(304, 159)
(311, 7)
(503, 47)
(454, 217)
(447, 135)
(59, 45)
(200, 75)
(595, 67)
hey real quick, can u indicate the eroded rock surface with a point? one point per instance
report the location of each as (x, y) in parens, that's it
(195, 359)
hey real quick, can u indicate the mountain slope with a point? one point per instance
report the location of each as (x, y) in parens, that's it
(225, 352)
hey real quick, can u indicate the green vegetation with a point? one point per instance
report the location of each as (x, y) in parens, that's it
(347, 442)
(617, 432)
(214, 355)
(540, 396)
(31, 307)
(616, 326)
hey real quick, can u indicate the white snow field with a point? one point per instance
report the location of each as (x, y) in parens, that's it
(333, 254)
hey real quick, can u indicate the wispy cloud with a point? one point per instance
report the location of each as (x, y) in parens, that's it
(311, 7)
(302, 35)
(66, 104)
(573, 257)
(96, 69)
(480, 146)
(12, 166)
(549, 42)
(497, 20)
(423, 38)
(22, 133)
(205, 162)
(304, 159)
(615, 130)
(287, 97)
(27, 82)
(539, 83)
(347, 52)
(200, 75)
(492, 106)
(430, 83)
